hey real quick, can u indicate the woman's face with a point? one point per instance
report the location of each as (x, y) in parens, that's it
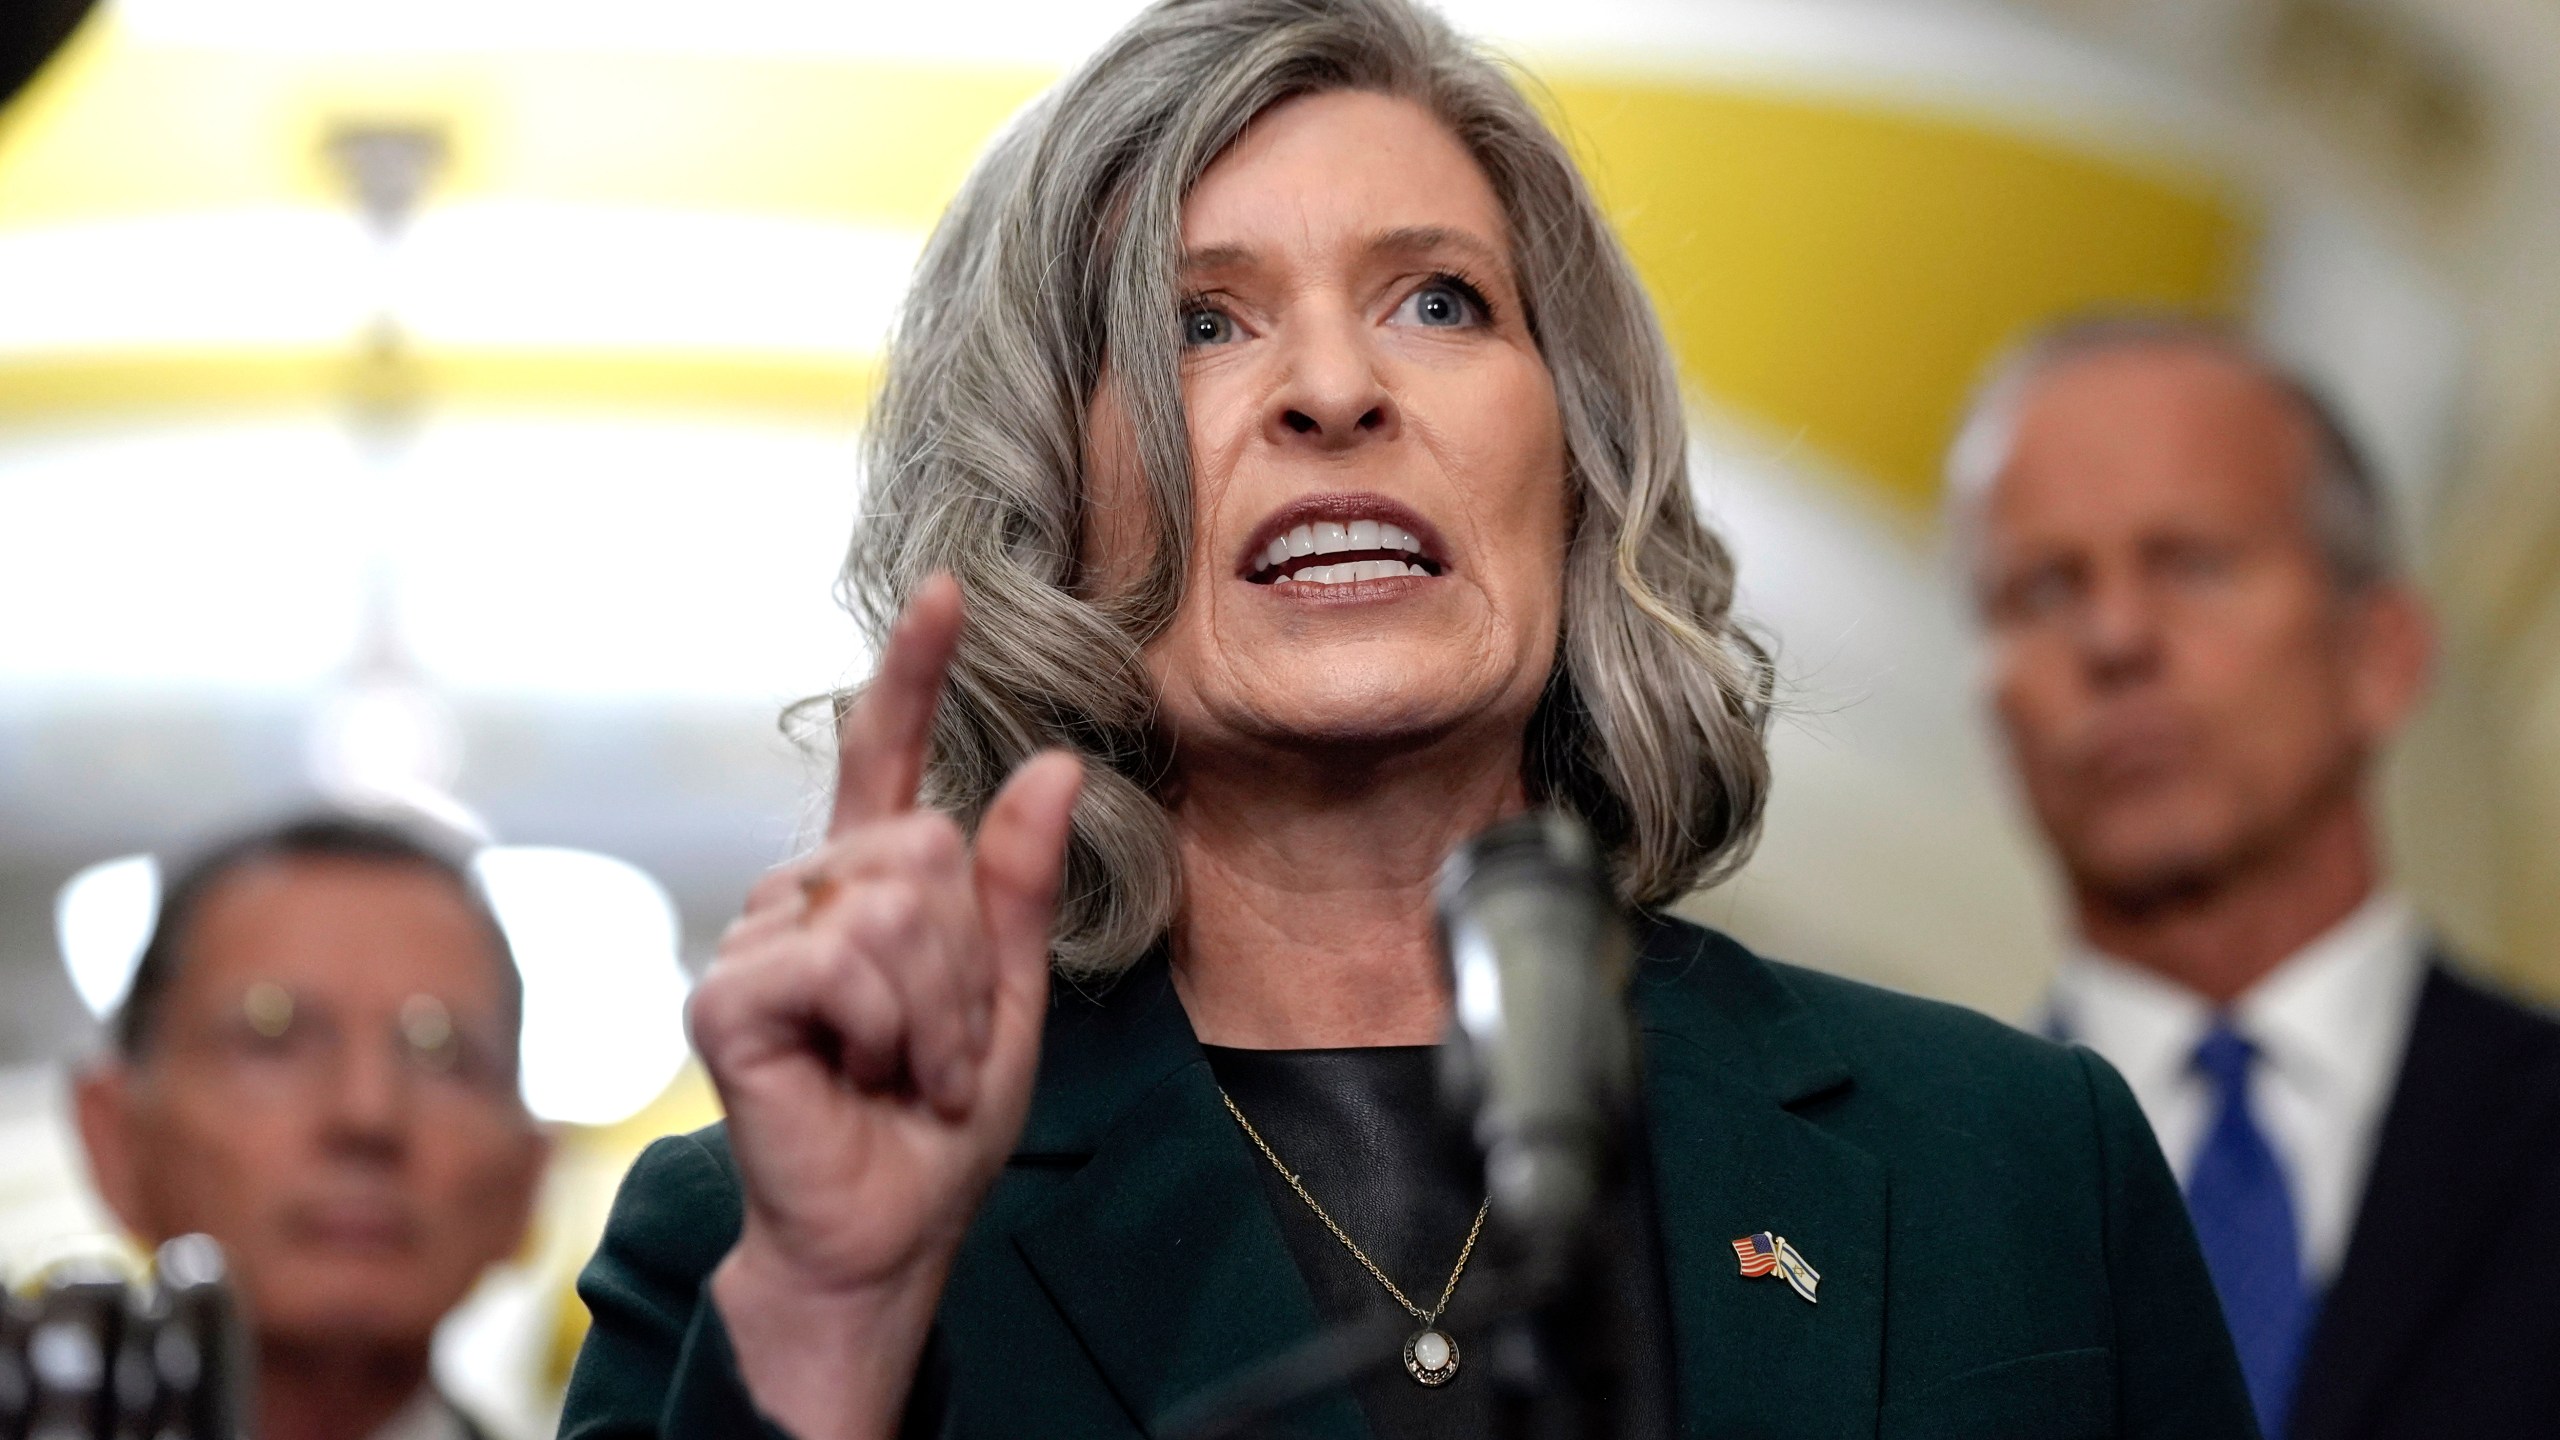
(1379, 502)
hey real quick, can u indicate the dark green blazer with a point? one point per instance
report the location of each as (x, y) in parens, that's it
(2003, 1251)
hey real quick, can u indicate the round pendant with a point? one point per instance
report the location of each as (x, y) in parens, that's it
(1431, 1357)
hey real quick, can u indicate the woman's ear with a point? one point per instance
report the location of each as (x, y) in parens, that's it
(103, 1104)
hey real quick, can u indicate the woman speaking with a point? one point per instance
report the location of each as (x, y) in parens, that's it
(1280, 477)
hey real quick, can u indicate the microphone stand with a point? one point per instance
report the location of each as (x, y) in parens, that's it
(1541, 1057)
(1550, 1345)
(1541, 1063)
(1555, 1359)
(1248, 1405)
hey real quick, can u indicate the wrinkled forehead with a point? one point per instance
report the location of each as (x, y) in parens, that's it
(362, 933)
(1341, 176)
(2153, 433)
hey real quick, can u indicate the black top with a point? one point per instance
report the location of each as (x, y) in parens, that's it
(1364, 1131)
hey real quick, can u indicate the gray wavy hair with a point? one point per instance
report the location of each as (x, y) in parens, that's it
(1059, 257)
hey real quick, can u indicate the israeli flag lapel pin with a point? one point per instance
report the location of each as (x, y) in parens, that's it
(1767, 1254)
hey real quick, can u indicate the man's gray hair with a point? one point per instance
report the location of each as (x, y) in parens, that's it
(2350, 512)
(1059, 259)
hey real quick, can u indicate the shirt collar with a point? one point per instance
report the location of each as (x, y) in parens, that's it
(2145, 1025)
(2336, 1011)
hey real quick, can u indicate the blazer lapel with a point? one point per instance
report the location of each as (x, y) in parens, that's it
(1162, 1253)
(1727, 1053)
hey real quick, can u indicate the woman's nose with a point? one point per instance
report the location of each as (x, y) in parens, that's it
(1331, 397)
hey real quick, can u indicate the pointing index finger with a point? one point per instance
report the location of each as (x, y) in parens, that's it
(880, 744)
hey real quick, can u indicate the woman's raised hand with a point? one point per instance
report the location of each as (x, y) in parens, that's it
(873, 1025)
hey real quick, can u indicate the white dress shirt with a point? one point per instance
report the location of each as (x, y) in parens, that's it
(2330, 1025)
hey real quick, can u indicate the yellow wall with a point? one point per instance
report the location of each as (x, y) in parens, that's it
(1833, 271)
(1841, 273)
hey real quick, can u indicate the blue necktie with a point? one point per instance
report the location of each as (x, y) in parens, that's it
(2244, 1219)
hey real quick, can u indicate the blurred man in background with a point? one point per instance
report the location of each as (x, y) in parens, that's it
(316, 1065)
(2200, 645)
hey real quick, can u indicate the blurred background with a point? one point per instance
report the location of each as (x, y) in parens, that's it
(453, 403)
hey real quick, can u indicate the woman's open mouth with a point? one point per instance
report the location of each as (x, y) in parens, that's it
(1342, 544)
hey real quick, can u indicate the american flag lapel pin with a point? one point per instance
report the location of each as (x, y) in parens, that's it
(1767, 1254)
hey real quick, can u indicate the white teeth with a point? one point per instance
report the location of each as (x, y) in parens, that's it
(1328, 537)
(1351, 572)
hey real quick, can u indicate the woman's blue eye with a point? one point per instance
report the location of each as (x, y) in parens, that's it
(1445, 304)
(1207, 327)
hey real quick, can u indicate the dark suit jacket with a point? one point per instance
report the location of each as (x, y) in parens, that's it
(2003, 1251)
(2445, 1319)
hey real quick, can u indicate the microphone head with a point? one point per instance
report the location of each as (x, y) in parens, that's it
(202, 1359)
(1542, 1053)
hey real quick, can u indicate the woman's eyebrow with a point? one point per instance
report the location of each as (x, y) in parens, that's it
(1403, 242)
(1218, 257)
(1423, 240)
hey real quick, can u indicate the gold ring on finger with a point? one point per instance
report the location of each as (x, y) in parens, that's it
(816, 888)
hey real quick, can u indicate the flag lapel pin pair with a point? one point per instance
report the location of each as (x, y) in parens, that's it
(1767, 1254)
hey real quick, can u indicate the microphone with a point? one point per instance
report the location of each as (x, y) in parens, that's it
(1540, 1065)
(1541, 1055)
(90, 1354)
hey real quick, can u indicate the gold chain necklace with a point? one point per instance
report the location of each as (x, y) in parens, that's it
(1430, 1355)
